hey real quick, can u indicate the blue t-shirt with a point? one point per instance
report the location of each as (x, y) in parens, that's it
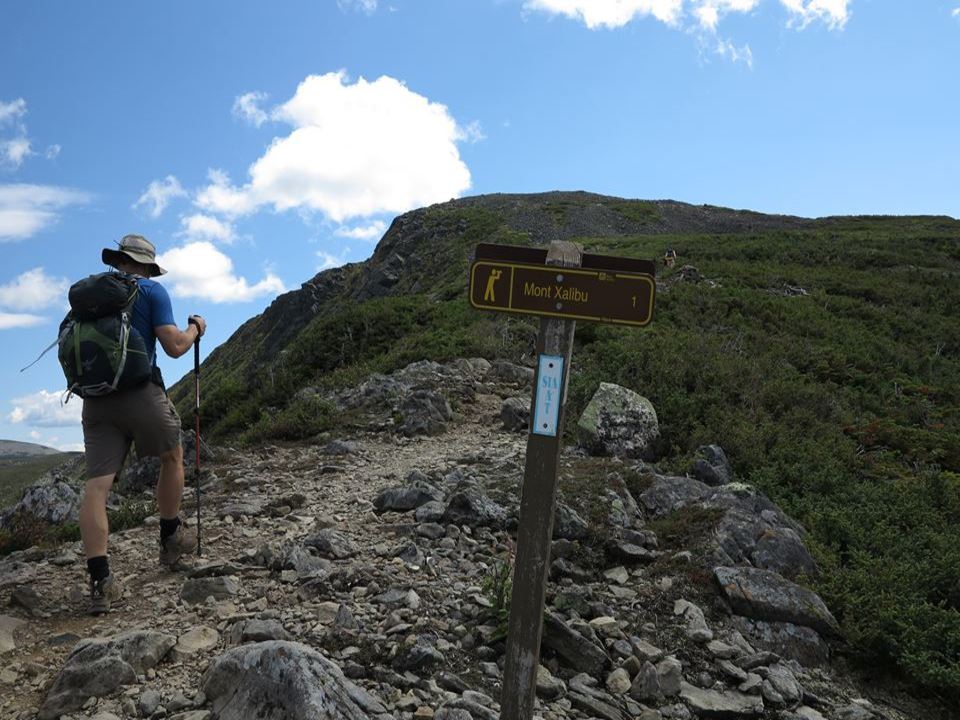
(151, 309)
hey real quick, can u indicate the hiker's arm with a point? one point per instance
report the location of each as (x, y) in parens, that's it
(174, 341)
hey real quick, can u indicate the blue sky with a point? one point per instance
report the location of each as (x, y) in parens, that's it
(256, 143)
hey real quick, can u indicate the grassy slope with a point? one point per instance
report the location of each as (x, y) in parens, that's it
(841, 404)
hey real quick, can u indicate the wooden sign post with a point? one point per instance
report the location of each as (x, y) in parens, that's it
(561, 285)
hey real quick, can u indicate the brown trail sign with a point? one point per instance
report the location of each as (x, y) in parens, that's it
(618, 290)
(561, 285)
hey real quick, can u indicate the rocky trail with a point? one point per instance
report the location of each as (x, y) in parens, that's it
(358, 577)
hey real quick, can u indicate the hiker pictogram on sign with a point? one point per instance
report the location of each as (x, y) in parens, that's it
(593, 295)
(490, 294)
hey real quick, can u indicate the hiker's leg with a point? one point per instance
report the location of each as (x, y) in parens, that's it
(170, 485)
(94, 529)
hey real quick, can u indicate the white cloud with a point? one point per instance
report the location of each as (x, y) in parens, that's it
(356, 149)
(14, 152)
(220, 196)
(472, 133)
(200, 270)
(367, 6)
(956, 12)
(247, 107)
(8, 321)
(372, 231)
(11, 112)
(726, 49)
(16, 147)
(35, 290)
(45, 409)
(707, 13)
(158, 195)
(834, 13)
(328, 260)
(207, 227)
(611, 13)
(26, 209)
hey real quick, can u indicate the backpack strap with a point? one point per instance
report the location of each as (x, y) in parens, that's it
(49, 347)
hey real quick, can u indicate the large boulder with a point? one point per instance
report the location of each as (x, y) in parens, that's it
(750, 529)
(280, 680)
(469, 505)
(98, 666)
(667, 494)
(515, 413)
(577, 651)
(425, 412)
(509, 373)
(765, 595)
(712, 704)
(710, 465)
(787, 640)
(52, 502)
(8, 628)
(407, 497)
(618, 422)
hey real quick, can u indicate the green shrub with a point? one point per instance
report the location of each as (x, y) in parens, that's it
(497, 587)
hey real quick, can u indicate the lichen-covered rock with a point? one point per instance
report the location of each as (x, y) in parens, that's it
(710, 465)
(787, 640)
(567, 523)
(713, 704)
(278, 680)
(424, 412)
(515, 413)
(470, 506)
(332, 544)
(764, 595)
(407, 497)
(618, 422)
(196, 590)
(578, 651)
(8, 628)
(54, 502)
(98, 666)
(507, 372)
(750, 528)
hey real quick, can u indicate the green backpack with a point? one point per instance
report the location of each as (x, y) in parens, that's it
(99, 350)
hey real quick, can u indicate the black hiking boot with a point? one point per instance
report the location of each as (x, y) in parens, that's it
(182, 542)
(103, 593)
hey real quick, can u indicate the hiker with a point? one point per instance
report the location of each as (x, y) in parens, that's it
(142, 414)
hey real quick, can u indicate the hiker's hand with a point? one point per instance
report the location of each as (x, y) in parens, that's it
(199, 322)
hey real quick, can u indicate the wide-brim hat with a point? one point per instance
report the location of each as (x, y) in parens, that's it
(137, 248)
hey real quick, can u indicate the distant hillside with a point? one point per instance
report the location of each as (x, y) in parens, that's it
(12, 448)
(822, 355)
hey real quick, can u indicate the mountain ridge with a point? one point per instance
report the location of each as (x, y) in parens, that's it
(17, 448)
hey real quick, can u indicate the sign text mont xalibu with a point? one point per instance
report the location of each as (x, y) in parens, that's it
(604, 289)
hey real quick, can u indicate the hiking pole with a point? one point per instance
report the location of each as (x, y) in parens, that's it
(196, 425)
